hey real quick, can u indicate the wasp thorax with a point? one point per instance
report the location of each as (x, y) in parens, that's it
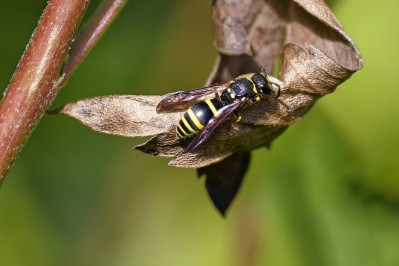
(242, 87)
(239, 89)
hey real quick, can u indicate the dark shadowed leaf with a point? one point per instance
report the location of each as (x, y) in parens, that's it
(223, 179)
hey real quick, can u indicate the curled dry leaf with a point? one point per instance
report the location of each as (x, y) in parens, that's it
(316, 56)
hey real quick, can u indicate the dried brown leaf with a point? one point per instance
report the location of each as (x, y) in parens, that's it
(163, 145)
(122, 115)
(316, 56)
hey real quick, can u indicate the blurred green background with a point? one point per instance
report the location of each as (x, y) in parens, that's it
(326, 194)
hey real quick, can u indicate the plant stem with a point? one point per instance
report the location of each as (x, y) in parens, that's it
(40, 74)
(31, 89)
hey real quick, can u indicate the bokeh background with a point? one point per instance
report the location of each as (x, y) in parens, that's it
(327, 193)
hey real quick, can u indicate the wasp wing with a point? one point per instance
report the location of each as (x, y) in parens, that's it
(215, 121)
(182, 100)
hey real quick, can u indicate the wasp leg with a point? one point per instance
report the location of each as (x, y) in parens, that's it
(238, 117)
(217, 96)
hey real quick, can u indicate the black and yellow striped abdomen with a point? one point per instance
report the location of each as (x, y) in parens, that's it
(197, 116)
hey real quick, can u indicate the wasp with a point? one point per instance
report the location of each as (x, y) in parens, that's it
(207, 107)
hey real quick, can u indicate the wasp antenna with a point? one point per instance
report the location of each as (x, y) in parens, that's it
(263, 70)
(279, 89)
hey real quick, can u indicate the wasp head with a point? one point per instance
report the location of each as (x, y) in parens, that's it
(262, 84)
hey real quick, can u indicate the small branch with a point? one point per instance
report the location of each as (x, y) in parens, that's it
(37, 79)
(91, 32)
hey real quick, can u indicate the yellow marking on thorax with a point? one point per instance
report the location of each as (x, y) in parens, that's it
(253, 84)
(210, 104)
(188, 125)
(195, 119)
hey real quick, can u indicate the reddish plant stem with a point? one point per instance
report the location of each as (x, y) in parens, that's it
(32, 89)
(37, 78)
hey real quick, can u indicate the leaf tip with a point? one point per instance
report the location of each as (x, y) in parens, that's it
(56, 111)
(143, 148)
